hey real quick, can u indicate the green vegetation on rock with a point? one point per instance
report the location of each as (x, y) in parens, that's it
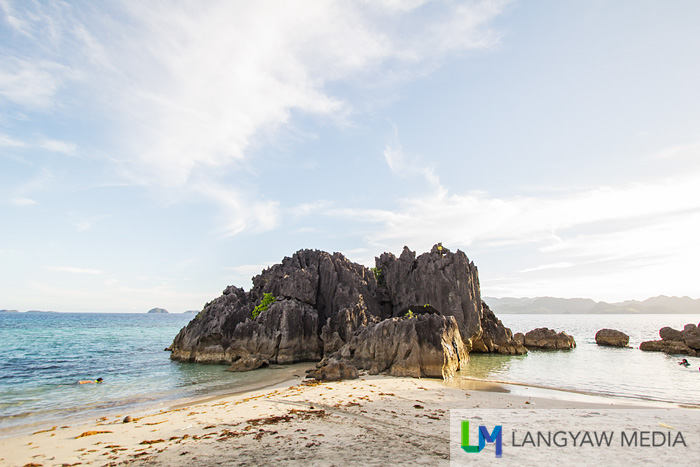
(268, 298)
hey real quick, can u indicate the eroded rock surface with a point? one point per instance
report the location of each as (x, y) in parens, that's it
(548, 339)
(685, 342)
(428, 345)
(324, 302)
(612, 338)
(334, 370)
(495, 337)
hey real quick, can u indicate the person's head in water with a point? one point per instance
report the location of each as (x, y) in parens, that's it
(98, 380)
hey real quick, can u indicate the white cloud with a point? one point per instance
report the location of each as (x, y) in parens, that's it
(400, 165)
(53, 145)
(22, 201)
(562, 265)
(73, 270)
(590, 234)
(193, 87)
(62, 147)
(680, 151)
(31, 84)
(10, 142)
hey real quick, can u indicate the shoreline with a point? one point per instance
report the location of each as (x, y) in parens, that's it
(279, 375)
(283, 375)
(580, 395)
(307, 420)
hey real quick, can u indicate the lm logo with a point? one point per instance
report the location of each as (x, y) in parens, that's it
(484, 437)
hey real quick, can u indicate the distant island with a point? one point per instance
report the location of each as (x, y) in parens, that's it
(552, 305)
(30, 311)
(190, 312)
(158, 310)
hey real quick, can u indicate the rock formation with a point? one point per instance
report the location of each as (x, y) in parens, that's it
(546, 339)
(325, 304)
(427, 345)
(333, 370)
(612, 338)
(495, 337)
(685, 342)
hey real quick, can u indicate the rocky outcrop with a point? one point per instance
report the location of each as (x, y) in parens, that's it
(612, 338)
(324, 302)
(495, 337)
(685, 342)
(447, 282)
(157, 311)
(248, 363)
(427, 345)
(333, 370)
(547, 339)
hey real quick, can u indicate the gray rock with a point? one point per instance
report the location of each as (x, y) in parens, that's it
(495, 337)
(669, 347)
(612, 338)
(519, 337)
(685, 342)
(449, 283)
(670, 334)
(324, 301)
(334, 370)
(247, 363)
(425, 346)
(548, 339)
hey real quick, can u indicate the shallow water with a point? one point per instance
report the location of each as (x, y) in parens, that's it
(44, 355)
(590, 368)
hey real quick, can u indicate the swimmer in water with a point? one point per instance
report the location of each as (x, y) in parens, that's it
(684, 362)
(89, 381)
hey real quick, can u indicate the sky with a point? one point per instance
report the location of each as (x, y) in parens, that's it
(152, 153)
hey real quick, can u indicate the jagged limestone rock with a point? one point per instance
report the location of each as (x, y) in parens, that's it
(495, 338)
(428, 345)
(324, 301)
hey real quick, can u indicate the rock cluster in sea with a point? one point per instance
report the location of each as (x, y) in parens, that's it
(685, 342)
(417, 316)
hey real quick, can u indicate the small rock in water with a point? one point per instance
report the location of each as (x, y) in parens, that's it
(128, 419)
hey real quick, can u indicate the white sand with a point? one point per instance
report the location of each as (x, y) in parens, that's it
(374, 420)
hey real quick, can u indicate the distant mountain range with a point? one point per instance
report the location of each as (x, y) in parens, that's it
(551, 305)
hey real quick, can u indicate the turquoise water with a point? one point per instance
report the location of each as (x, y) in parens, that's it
(42, 356)
(594, 369)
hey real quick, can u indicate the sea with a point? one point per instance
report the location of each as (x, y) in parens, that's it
(44, 355)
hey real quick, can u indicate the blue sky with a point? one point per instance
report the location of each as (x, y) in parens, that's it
(152, 153)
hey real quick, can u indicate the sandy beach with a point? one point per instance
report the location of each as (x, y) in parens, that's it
(373, 420)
